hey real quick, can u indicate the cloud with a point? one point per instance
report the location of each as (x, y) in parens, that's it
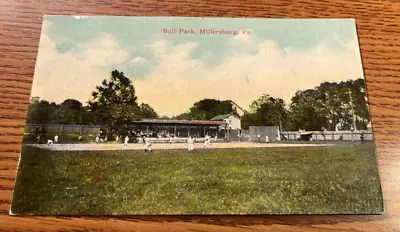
(59, 76)
(159, 47)
(104, 52)
(139, 61)
(174, 80)
(243, 38)
(177, 81)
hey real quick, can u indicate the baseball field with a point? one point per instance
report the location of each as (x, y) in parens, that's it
(263, 180)
(174, 146)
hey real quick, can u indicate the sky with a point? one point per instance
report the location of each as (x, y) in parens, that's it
(172, 71)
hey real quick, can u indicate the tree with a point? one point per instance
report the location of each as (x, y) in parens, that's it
(183, 116)
(359, 102)
(70, 111)
(41, 111)
(206, 109)
(114, 101)
(330, 106)
(146, 111)
(265, 111)
(306, 111)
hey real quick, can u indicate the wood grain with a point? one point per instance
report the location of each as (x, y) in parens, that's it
(379, 33)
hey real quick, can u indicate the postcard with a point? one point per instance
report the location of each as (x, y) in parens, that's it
(197, 116)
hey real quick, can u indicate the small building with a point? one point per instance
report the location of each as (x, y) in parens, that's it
(231, 121)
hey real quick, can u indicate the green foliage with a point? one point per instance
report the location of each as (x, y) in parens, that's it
(70, 111)
(146, 111)
(326, 180)
(206, 109)
(329, 105)
(324, 107)
(183, 116)
(265, 111)
(114, 101)
(40, 111)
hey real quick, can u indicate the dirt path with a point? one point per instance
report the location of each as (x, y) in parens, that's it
(162, 146)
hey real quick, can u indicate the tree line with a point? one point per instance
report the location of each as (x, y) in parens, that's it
(113, 102)
(329, 106)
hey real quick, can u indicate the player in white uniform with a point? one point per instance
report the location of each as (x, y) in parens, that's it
(56, 138)
(266, 139)
(170, 138)
(49, 142)
(126, 141)
(97, 139)
(147, 144)
(207, 142)
(190, 142)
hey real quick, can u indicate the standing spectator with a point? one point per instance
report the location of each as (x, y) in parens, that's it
(362, 137)
(126, 141)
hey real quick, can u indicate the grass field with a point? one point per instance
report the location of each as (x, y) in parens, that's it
(331, 180)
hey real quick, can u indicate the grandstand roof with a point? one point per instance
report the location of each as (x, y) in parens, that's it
(175, 121)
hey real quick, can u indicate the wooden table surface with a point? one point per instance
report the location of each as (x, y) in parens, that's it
(379, 32)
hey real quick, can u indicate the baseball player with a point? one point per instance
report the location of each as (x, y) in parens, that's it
(147, 144)
(207, 141)
(170, 138)
(190, 142)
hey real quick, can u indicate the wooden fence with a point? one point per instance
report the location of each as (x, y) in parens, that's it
(63, 128)
(332, 135)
